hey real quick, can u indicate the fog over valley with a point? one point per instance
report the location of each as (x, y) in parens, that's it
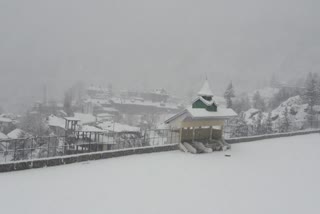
(143, 45)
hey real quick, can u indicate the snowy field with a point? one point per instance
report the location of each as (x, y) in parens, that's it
(278, 176)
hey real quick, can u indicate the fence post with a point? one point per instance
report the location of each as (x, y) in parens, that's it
(31, 157)
(23, 148)
(5, 154)
(48, 147)
(15, 150)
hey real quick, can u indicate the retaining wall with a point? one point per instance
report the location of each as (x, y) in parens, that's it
(269, 136)
(56, 161)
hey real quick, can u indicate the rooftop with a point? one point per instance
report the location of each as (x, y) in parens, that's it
(206, 90)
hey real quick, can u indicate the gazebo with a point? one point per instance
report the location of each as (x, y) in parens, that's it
(203, 121)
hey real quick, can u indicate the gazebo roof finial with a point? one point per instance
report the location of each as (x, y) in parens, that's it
(205, 90)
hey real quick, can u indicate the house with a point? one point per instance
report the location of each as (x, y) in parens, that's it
(3, 143)
(104, 117)
(203, 121)
(85, 119)
(18, 133)
(57, 125)
(98, 92)
(5, 123)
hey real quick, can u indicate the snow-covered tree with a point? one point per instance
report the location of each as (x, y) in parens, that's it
(257, 125)
(285, 121)
(280, 97)
(242, 104)
(268, 124)
(34, 124)
(110, 89)
(273, 81)
(67, 104)
(311, 95)
(229, 94)
(239, 127)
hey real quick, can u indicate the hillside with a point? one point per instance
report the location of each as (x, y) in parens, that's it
(266, 93)
(296, 108)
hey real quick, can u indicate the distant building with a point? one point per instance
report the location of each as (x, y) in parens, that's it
(140, 106)
(158, 95)
(5, 123)
(57, 125)
(18, 133)
(98, 92)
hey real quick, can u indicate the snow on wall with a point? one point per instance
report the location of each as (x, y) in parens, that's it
(55, 161)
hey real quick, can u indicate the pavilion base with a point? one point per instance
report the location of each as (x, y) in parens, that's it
(204, 147)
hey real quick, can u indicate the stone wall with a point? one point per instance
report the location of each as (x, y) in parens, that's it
(56, 161)
(270, 136)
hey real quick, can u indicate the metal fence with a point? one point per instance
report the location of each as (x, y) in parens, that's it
(86, 142)
(244, 130)
(45, 147)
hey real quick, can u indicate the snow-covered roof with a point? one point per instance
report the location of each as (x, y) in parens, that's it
(118, 127)
(16, 134)
(85, 118)
(160, 91)
(206, 90)
(104, 115)
(56, 121)
(206, 102)
(5, 120)
(199, 113)
(97, 101)
(72, 118)
(87, 128)
(98, 89)
(3, 136)
(203, 113)
(110, 109)
(145, 103)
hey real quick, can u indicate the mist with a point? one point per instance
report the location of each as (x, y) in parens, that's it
(144, 44)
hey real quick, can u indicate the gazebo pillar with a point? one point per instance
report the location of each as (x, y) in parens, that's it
(210, 138)
(193, 132)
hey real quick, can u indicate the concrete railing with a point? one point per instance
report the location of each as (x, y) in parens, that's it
(269, 136)
(55, 161)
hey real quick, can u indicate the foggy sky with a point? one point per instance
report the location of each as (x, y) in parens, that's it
(145, 44)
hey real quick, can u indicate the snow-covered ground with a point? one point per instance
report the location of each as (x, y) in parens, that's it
(275, 176)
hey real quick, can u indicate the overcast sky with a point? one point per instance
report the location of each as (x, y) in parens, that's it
(145, 44)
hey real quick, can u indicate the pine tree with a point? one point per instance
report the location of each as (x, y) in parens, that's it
(285, 121)
(273, 81)
(242, 104)
(67, 104)
(280, 97)
(229, 94)
(311, 95)
(268, 124)
(239, 127)
(258, 124)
